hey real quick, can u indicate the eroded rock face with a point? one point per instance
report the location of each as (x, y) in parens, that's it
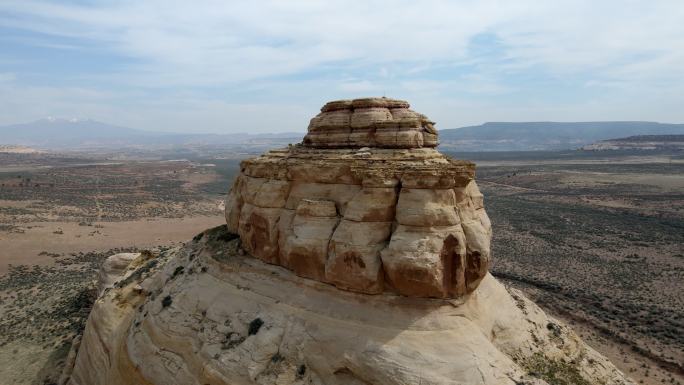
(113, 268)
(203, 314)
(370, 122)
(366, 204)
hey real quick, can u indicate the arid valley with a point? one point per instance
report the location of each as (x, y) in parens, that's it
(594, 238)
(422, 192)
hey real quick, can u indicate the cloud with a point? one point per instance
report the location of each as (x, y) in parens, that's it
(216, 41)
(238, 54)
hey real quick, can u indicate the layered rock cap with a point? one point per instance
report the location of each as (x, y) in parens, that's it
(367, 204)
(370, 122)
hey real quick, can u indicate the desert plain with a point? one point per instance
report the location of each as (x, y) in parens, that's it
(596, 238)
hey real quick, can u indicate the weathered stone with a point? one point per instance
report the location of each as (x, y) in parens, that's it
(376, 122)
(362, 233)
(259, 232)
(404, 113)
(316, 208)
(341, 194)
(372, 204)
(423, 207)
(364, 205)
(332, 119)
(354, 255)
(355, 268)
(414, 260)
(272, 193)
(337, 105)
(305, 250)
(249, 187)
(321, 172)
(378, 102)
(369, 117)
(233, 206)
(113, 269)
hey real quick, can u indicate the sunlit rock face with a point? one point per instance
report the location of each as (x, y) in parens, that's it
(367, 204)
(370, 122)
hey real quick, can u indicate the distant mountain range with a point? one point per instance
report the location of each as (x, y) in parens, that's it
(640, 142)
(53, 133)
(493, 136)
(527, 136)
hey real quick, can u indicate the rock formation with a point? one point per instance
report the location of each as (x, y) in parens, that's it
(113, 269)
(366, 204)
(370, 122)
(339, 264)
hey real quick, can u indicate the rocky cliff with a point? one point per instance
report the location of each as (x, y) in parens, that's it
(397, 216)
(341, 263)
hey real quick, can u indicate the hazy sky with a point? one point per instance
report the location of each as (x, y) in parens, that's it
(267, 66)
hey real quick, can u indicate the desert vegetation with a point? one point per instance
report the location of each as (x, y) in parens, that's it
(597, 242)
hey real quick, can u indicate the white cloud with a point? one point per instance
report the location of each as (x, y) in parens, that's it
(210, 41)
(634, 48)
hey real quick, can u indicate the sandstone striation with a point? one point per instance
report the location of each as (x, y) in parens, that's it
(372, 122)
(366, 204)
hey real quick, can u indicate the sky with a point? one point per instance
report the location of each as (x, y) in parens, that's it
(268, 66)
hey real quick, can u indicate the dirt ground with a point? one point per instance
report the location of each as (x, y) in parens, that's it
(595, 240)
(598, 243)
(41, 242)
(61, 215)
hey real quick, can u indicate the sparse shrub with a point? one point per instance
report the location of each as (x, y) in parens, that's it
(178, 270)
(301, 371)
(254, 326)
(167, 301)
(277, 358)
(554, 328)
(554, 372)
(232, 340)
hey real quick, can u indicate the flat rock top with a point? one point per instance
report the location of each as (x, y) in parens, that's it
(382, 102)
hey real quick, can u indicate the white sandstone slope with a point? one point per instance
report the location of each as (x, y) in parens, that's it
(208, 314)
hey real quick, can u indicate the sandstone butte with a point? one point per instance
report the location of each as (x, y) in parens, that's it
(358, 256)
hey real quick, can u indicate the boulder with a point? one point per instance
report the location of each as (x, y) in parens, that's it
(113, 269)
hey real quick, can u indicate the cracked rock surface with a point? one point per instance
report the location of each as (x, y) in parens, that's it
(204, 314)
